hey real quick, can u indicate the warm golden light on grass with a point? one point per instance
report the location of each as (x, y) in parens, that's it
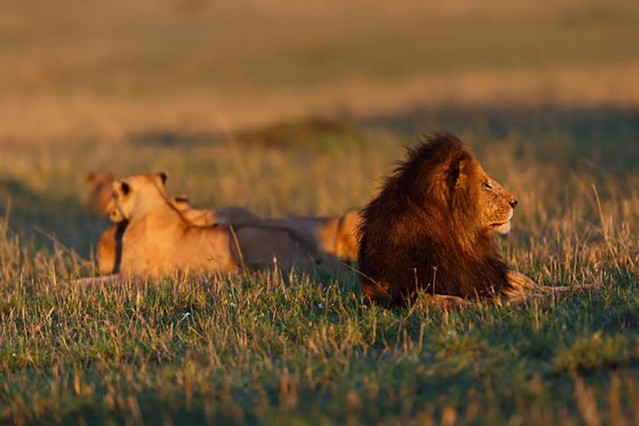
(298, 108)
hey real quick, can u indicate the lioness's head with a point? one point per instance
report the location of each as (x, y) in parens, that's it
(135, 195)
(99, 190)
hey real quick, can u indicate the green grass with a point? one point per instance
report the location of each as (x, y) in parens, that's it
(253, 349)
(272, 349)
(163, 84)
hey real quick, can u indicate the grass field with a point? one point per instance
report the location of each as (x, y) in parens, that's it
(240, 102)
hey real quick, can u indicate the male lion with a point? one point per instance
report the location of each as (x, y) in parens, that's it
(430, 228)
(158, 240)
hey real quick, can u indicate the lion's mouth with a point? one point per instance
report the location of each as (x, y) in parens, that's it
(501, 227)
(499, 224)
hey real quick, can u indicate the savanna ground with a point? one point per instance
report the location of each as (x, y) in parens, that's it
(545, 93)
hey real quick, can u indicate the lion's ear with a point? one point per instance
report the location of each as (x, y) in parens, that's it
(459, 172)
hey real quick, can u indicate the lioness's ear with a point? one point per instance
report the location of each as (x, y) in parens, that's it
(125, 188)
(90, 177)
(163, 177)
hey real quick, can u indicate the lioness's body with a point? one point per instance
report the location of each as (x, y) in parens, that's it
(262, 246)
(173, 245)
(109, 250)
(333, 235)
(158, 240)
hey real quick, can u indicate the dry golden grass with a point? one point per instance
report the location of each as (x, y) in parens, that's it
(57, 120)
(544, 92)
(98, 71)
(269, 349)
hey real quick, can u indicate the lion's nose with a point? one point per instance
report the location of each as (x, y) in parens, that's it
(513, 203)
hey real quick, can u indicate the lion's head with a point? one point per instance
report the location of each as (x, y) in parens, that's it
(431, 227)
(443, 177)
(495, 204)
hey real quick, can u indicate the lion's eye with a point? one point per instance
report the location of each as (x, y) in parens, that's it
(488, 186)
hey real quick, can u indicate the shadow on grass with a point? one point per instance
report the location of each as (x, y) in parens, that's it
(606, 135)
(43, 218)
(313, 134)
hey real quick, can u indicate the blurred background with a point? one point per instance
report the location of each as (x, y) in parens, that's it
(299, 107)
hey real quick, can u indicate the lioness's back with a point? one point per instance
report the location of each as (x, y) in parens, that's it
(262, 246)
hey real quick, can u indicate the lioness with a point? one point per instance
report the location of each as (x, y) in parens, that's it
(158, 240)
(100, 189)
(109, 250)
(335, 235)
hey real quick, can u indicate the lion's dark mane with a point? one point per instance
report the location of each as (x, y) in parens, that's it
(423, 231)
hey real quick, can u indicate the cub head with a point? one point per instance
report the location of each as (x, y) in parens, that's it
(198, 217)
(136, 195)
(181, 203)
